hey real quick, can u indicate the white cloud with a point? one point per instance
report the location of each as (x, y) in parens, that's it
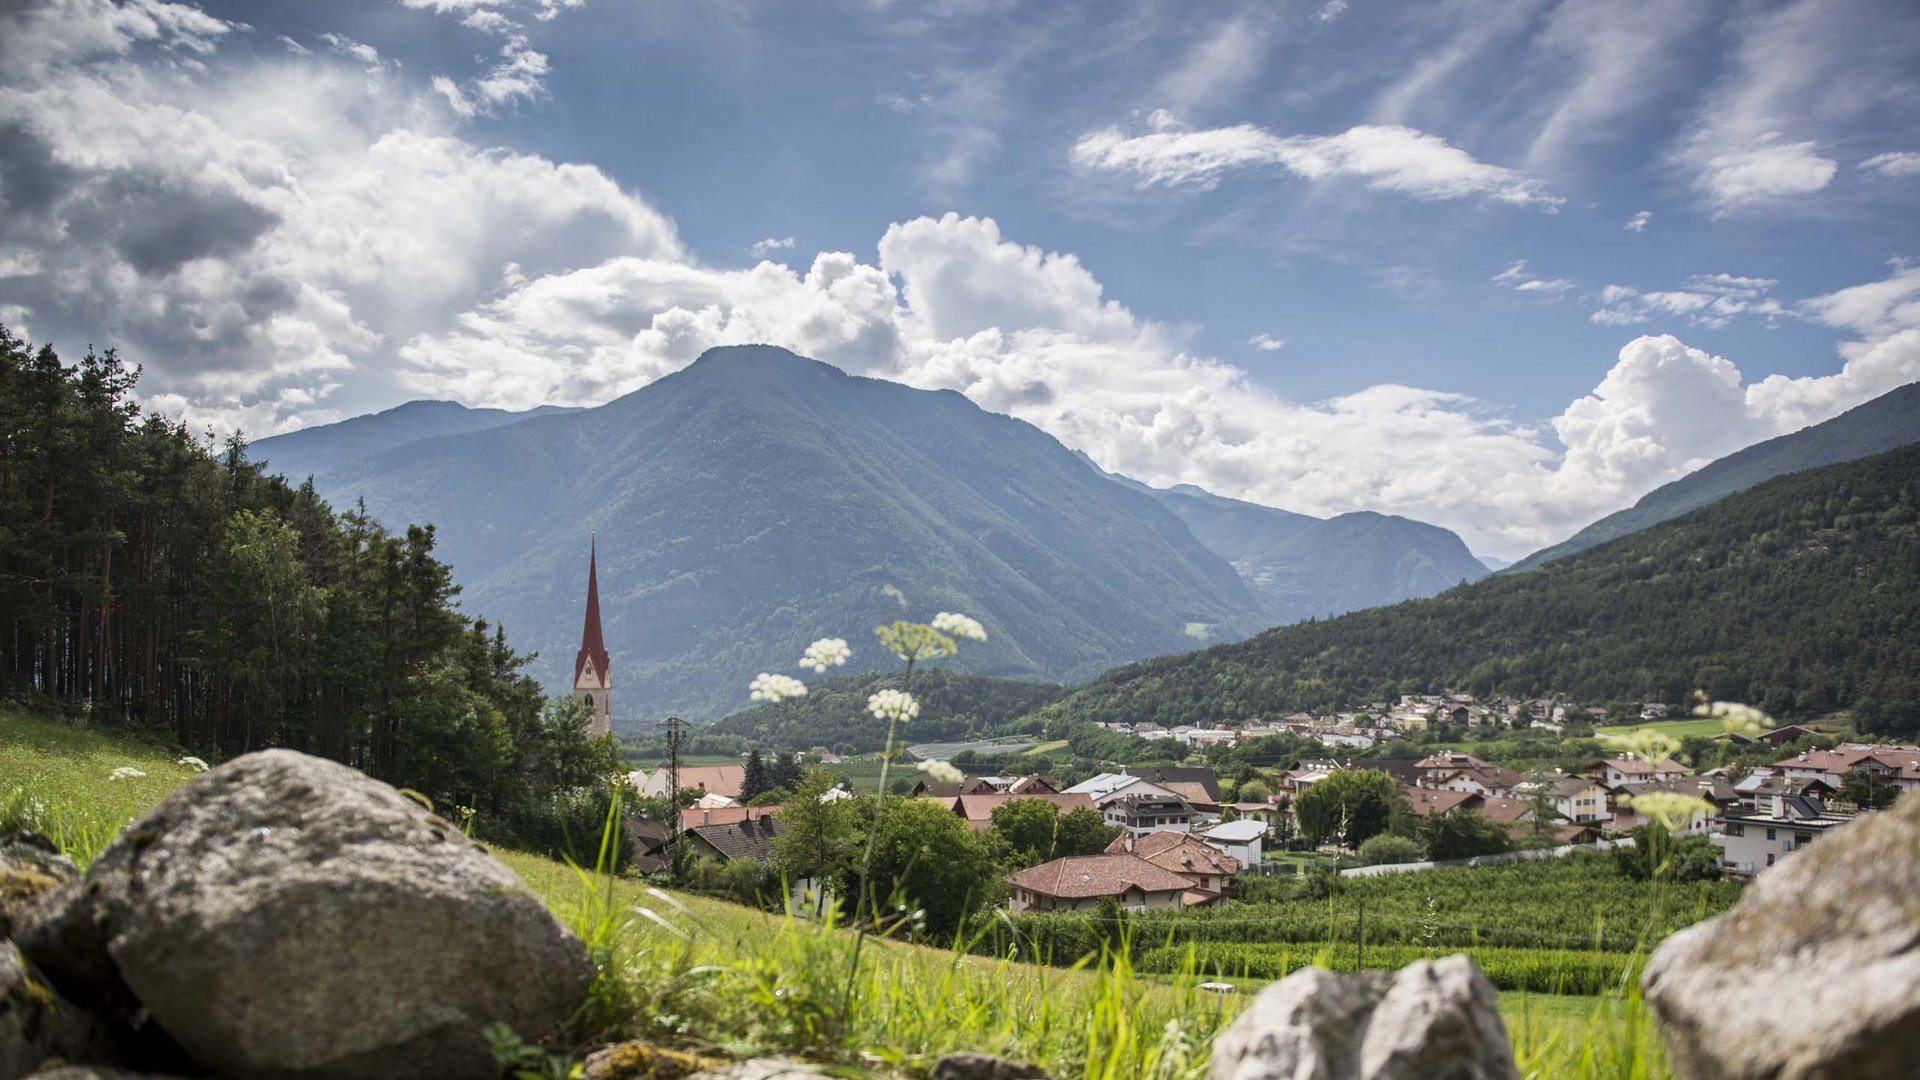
(1897, 165)
(1388, 158)
(1709, 300)
(1515, 277)
(1267, 342)
(1638, 222)
(1768, 169)
(1332, 10)
(1219, 64)
(358, 50)
(763, 248)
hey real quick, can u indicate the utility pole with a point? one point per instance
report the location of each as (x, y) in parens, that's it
(676, 727)
(1360, 932)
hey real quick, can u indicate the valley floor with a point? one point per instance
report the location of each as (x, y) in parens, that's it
(711, 976)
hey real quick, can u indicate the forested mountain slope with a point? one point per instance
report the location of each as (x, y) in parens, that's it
(1887, 422)
(300, 454)
(1801, 595)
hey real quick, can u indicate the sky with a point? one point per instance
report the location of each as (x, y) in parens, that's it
(1504, 267)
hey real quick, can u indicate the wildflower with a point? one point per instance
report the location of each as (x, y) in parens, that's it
(126, 772)
(776, 688)
(194, 763)
(893, 705)
(941, 771)
(1671, 809)
(1735, 717)
(825, 653)
(954, 624)
(914, 641)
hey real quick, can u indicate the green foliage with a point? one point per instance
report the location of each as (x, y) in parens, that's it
(1869, 792)
(1350, 806)
(926, 855)
(1658, 855)
(150, 582)
(1798, 596)
(1035, 831)
(1388, 848)
(1539, 971)
(1461, 834)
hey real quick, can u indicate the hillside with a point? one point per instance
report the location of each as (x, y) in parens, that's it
(300, 454)
(1888, 422)
(756, 501)
(1302, 567)
(1801, 596)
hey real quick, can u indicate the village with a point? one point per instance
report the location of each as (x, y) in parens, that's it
(1184, 836)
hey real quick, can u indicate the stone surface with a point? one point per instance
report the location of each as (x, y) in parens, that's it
(37, 1025)
(967, 1065)
(96, 1072)
(1427, 1021)
(287, 916)
(769, 1068)
(30, 865)
(1814, 973)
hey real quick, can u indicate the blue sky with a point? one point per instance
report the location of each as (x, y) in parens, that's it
(1504, 267)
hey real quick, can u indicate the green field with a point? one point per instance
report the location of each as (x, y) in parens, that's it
(1707, 726)
(715, 978)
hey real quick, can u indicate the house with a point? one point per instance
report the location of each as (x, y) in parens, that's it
(1078, 882)
(1199, 786)
(1653, 710)
(716, 779)
(977, 810)
(1781, 736)
(1268, 814)
(1241, 839)
(647, 845)
(1615, 772)
(1899, 766)
(693, 816)
(752, 839)
(1425, 802)
(1454, 771)
(1147, 812)
(1579, 798)
(950, 789)
(1751, 841)
(1207, 867)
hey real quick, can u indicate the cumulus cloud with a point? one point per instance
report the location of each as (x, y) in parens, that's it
(763, 248)
(1709, 300)
(1516, 277)
(1386, 157)
(1895, 165)
(253, 228)
(1267, 342)
(1638, 222)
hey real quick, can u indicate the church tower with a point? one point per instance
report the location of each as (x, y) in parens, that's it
(592, 670)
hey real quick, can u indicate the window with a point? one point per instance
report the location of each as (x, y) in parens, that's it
(1770, 836)
(1769, 854)
(589, 701)
(1736, 830)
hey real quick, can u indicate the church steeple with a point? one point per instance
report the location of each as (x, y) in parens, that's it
(592, 668)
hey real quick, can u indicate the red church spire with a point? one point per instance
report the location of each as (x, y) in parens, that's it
(593, 648)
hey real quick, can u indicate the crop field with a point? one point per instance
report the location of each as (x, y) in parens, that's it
(711, 977)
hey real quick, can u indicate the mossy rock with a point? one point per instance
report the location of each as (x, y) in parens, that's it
(638, 1060)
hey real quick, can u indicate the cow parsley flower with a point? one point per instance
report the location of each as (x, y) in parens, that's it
(126, 772)
(1671, 809)
(914, 641)
(194, 763)
(776, 688)
(825, 653)
(954, 624)
(893, 705)
(941, 771)
(1735, 718)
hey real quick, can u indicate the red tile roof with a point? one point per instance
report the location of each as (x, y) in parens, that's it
(978, 809)
(1082, 877)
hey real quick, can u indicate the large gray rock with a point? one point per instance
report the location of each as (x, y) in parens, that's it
(30, 864)
(1427, 1021)
(287, 916)
(37, 1025)
(1815, 973)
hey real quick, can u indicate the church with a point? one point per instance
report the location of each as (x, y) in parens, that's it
(592, 668)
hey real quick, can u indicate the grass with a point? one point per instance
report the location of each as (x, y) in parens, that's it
(716, 978)
(1048, 747)
(1674, 729)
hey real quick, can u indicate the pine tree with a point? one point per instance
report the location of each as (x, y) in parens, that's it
(756, 782)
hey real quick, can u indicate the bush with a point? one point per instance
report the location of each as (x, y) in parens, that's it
(1388, 848)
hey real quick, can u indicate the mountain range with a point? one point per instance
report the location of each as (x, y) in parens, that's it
(1799, 595)
(1888, 422)
(757, 500)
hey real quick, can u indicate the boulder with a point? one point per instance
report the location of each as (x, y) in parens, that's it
(1814, 973)
(37, 1025)
(96, 1072)
(1427, 1021)
(967, 1065)
(30, 864)
(639, 1060)
(287, 916)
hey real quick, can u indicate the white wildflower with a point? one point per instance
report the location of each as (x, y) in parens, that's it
(194, 763)
(776, 688)
(941, 771)
(825, 653)
(1735, 716)
(954, 624)
(126, 772)
(892, 705)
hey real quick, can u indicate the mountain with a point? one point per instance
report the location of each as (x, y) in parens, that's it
(954, 706)
(1888, 422)
(756, 500)
(300, 454)
(1800, 595)
(1495, 563)
(1302, 567)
